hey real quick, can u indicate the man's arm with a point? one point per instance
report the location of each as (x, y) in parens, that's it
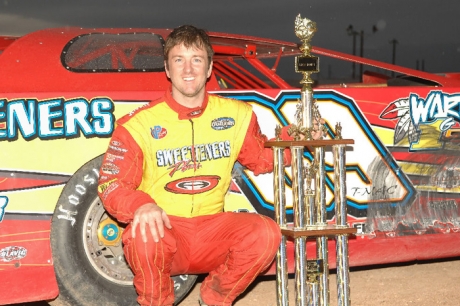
(254, 155)
(259, 159)
(120, 176)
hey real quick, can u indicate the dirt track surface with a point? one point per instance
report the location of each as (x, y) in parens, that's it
(421, 284)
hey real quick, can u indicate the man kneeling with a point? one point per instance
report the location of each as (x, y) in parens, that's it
(176, 219)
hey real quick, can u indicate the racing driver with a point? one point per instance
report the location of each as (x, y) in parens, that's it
(166, 173)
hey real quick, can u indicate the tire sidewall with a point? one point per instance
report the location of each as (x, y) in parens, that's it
(79, 283)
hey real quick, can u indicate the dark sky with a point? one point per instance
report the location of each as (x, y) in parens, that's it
(424, 29)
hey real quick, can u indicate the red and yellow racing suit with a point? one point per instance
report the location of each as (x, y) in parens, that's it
(181, 159)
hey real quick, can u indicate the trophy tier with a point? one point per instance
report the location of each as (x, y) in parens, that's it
(309, 143)
(312, 231)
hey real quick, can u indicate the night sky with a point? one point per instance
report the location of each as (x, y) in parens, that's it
(424, 29)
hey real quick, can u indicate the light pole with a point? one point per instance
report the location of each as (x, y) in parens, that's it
(351, 32)
(393, 58)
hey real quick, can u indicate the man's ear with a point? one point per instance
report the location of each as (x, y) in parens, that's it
(167, 69)
(210, 69)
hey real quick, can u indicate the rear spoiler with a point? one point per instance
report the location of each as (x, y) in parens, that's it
(445, 81)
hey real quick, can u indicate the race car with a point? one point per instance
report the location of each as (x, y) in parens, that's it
(62, 90)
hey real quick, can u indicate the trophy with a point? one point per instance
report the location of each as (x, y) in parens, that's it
(309, 193)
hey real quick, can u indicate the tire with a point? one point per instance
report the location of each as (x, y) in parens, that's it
(87, 251)
(241, 179)
(381, 217)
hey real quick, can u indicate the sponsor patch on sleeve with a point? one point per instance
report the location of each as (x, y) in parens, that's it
(103, 187)
(110, 169)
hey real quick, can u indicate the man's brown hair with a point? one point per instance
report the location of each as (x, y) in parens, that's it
(189, 36)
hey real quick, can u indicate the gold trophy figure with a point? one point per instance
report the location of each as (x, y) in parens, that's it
(309, 194)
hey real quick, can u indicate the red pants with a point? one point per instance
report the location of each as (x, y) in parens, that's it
(232, 247)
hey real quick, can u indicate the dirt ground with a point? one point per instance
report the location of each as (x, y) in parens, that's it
(421, 284)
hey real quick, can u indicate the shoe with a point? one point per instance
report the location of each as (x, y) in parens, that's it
(201, 303)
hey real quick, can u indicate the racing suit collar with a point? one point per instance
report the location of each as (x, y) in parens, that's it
(185, 112)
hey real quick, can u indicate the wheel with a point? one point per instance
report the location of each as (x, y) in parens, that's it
(87, 251)
(381, 215)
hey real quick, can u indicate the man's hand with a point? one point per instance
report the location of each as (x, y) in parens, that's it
(152, 216)
(317, 132)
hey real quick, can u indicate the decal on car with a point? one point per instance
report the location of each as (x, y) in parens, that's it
(423, 121)
(56, 118)
(363, 190)
(11, 253)
(3, 203)
(26, 180)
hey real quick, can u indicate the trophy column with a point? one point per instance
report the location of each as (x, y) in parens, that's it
(309, 195)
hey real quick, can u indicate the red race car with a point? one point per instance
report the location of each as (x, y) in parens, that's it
(61, 91)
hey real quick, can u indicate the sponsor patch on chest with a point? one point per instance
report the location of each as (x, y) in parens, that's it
(222, 123)
(193, 185)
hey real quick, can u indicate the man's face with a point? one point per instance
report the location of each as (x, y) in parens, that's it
(188, 69)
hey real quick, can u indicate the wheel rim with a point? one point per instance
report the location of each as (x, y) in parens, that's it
(103, 247)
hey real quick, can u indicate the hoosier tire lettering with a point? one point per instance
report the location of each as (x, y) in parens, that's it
(90, 268)
(67, 212)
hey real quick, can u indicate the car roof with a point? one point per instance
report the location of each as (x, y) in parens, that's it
(33, 62)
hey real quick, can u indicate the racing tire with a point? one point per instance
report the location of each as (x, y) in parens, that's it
(87, 251)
